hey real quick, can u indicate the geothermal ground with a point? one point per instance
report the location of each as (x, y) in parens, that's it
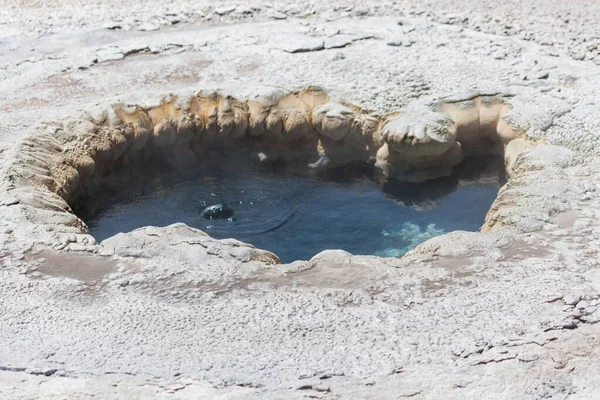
(509, 312)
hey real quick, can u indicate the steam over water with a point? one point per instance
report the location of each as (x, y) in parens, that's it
(298, 215)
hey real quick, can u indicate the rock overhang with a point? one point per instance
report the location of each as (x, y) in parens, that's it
(46, 173)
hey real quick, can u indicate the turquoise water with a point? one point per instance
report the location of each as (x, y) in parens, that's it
(298, 215)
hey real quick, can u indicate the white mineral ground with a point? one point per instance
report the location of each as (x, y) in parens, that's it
(171, 313)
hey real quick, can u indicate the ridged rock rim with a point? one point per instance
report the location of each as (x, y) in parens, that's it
(47, 172)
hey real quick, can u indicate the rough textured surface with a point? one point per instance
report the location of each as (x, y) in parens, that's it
(510, 313)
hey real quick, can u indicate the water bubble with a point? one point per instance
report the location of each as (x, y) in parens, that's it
(406, 238)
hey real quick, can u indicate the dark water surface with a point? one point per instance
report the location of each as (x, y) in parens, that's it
(296, 216)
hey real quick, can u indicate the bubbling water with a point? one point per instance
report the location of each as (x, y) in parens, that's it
(296, 215)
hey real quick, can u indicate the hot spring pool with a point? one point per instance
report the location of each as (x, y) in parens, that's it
(298, 215)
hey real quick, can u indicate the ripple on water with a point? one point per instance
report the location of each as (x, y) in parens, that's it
(297, 216)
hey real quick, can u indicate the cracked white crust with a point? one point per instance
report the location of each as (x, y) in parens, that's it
(467, 315)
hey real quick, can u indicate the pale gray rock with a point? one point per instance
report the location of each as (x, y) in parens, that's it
(149, 26)
(537, 75)
(571, 299)
(458, 317)
(109, 54)
(500, 55)
(174, 18)
(339, 41)
(225, 10)
(244, 10)
(361, 11)
(275, 14)
(304, 44)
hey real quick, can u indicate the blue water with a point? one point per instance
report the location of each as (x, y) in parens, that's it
(297, 216)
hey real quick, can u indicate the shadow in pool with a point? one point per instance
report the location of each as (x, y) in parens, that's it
(474, 171)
